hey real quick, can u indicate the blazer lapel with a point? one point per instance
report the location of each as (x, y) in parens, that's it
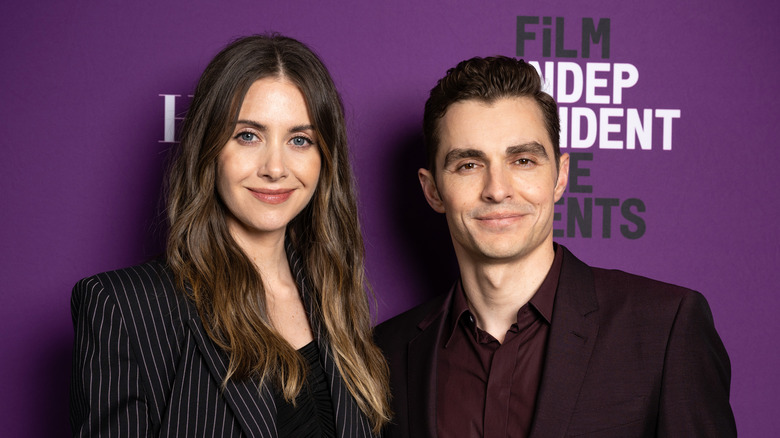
(350, 420)
(253, 408)
(572, 336)
(421, 382)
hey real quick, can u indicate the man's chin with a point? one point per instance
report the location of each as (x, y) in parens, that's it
(503, 251)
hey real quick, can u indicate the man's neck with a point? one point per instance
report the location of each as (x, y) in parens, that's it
(497, 290)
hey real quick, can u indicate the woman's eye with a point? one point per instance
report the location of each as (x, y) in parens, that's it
(300, 141)
(246, 137)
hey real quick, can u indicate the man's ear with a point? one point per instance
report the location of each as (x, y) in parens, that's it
(563, 176)
(430, 191)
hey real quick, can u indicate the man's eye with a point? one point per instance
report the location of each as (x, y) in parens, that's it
(468, 166)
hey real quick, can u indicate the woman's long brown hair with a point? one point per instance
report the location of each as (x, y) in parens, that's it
(223, 282)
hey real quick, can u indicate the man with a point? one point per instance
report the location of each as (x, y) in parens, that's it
(531, 341)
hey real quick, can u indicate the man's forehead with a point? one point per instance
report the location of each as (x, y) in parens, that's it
(497, 125)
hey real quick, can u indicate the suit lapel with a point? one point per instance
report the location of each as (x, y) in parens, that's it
(421, 369)
(572, 336)
(254, 409)
(350, 420)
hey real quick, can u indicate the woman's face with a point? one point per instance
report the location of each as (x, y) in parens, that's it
(268, 170)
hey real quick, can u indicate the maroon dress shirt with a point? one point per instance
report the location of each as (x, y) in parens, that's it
(485, 388)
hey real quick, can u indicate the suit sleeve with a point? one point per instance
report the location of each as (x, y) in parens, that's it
(696, 376)
(107, 397)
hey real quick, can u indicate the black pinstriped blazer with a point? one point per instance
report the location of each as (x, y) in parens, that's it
(143, 365)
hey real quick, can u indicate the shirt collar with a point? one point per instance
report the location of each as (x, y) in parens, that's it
(543, 300)
(458, 308)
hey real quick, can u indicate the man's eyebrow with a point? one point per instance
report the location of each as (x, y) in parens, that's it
(457, 154)
(533, 148)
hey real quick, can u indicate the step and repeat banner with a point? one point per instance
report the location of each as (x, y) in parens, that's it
(669, 111)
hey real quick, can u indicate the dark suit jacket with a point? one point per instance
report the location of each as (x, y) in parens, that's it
(626, 357)
(143, 365)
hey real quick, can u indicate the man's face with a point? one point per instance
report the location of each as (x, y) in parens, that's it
(496, 179)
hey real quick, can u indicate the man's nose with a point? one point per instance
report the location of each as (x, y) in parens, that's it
(498, 185)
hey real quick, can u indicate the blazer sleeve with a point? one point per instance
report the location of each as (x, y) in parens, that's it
(696, 377)
(107, 397)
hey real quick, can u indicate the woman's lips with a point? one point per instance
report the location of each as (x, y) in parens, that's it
(276, 196)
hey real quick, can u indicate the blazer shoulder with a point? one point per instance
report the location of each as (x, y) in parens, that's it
(404, 326)
(655, 300)
(617, 281)
(619, 278)
(154, 271)
(611, 281)
(150, 279)
(147, 312)
(145, 295)
(615, 292)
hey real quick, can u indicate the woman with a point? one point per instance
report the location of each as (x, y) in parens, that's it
(257, 322)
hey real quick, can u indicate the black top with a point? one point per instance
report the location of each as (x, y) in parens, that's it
(312, 416)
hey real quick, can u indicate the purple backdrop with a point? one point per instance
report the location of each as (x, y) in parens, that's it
(83, 128)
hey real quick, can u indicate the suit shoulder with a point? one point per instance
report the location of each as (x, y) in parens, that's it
(618, 279)
(129, 273)
(615, 286)
(145, 291)
(407, 323)
(152, 277)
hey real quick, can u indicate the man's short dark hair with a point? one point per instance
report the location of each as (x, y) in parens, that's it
(487, 80)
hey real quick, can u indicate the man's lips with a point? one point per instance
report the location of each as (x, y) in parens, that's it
(499, 216)
(499, 219)
(272, 196)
